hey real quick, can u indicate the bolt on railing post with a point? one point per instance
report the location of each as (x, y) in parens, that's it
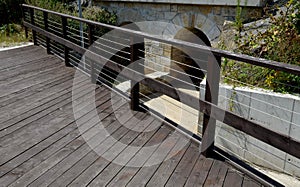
(91, 41)
(211, 95)
(46, 29)
(32, 22)
(135, 85)
(64, 22)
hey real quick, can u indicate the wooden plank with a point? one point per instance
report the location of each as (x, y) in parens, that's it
(17, 109)
(36, 65)
(216, 174)
(185, 166)
(233, 179)
(20, 50)
(31, 115)
(200, 172)
(166, 169)
(21, 94)
(16, 137)
(99, 164)
(100, 144)
(125, 175)
(34, 78)
(48, 162)
(166, 151)
(67, 135)
(16, 161)
(121, 153)
(65, 105)
(22, 59)
(247, 182)
(115, 151)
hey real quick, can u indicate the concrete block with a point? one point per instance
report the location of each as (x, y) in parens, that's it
(262, 154)
(292, 165)
(271, 111)
(230, 139)
(238, 102)
(295, 126)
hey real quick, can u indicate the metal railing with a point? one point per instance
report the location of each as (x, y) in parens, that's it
(70, 48)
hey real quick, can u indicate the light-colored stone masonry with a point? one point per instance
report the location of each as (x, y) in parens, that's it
(207, 16)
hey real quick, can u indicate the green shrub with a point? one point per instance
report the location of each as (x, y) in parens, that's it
(10, 29)
(281, 42)
(10, 11)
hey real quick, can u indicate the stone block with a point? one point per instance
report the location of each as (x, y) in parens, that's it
(207, 26)
(169, 15)
(173, 8)
(214, 33)
(200, 20)
(217, 10)
(178, 20)
(228, 11)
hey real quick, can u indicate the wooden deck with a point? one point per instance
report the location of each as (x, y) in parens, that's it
(41, 145)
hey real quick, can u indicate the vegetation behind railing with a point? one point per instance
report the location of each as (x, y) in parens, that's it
(279, 42)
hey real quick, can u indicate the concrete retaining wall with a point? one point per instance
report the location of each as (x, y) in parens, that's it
(278, 112)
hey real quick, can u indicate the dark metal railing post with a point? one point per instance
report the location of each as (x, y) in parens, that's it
(46, 29)
(32, 22)
(64, 22)
(24, 19)
(211, 95)
(135, 85)
(91, 41)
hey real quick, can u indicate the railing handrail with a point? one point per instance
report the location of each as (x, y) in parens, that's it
(278, 140)
(289, 68)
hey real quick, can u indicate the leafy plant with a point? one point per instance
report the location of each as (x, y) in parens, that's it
(10, 11)
(280, 42)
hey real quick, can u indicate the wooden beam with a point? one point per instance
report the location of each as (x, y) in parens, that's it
(46, 29)
(64, 22)
(91, 41)
(32, 22)
(135, 85)
(211, 96)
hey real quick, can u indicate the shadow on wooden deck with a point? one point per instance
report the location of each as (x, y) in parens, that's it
(42, 144)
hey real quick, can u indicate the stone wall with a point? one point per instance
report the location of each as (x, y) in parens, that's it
(206, 18)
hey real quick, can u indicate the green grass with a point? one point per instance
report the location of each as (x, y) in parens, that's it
(12, 37)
